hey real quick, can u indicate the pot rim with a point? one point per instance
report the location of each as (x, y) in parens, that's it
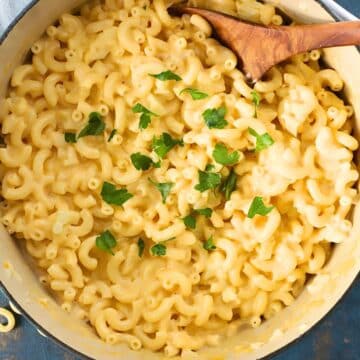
(11, 298)
(15, 21)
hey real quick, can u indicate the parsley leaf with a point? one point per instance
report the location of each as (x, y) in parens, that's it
(112, 134)
(106, 241)
(164, 188)
(229, 185)
(158, 250)
(256, 101)
(214, 118)
(190, 221)
(223, 157)
(262, 141)
(164, 143)
(145, 117)
(95, 126)
(207, 181)
(166, 75)
(145, 120)
(142, 162)
(195, 94)
(141, 246)
(210, 167)
(258, 207)
(209, 244)
(114, 196)
(70, 137)
(207, 212)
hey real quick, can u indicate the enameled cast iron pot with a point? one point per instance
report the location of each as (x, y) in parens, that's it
(320, 295)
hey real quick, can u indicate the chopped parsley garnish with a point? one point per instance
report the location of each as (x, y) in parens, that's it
(112, 134)
(195, 94)
(114, 196)
(262, 141)
(166, 75)
(106, 242)
(164, 188)
(190, 221)
(258, 207)
(207, 181)
(214, 118)
(229, 185)
(141, 246)
(210, 167)
(164, 143)
(158, 250)
(95, 126)
(207, 212)
(143, 162)
(223, 157)
(209, 244)
(145, 117)
(70, 137)
(256, 101)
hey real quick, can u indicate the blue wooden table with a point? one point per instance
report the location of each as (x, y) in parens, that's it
(337, 337)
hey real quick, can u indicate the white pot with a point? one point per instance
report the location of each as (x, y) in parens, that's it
(319, 296)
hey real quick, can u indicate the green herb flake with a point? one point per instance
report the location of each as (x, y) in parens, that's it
(195, 94)
(256, 101)
(106, 242)
(223, 157)
(190, 221)
(207, 181)
(142, 162)
(164, 188)
(114, 196)
(210, 167)
(209, 244)
(164, 143)
(95, 126)
(262, 141)
(145, 117)
(166, 75)
(228, 186)
(214, 118)
(258, 207)
(70, 137)
(158, 250)
(207, 212)
(112, 134)
(141, 246)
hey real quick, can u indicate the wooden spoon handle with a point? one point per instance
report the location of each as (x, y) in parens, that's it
(310, 37)
(258, 47)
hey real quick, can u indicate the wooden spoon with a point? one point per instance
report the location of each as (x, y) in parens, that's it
(259, 48)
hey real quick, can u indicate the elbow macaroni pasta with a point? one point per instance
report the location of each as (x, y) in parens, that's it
(100, 61)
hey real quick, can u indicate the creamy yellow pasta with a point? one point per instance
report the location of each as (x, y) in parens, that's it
(166, 201)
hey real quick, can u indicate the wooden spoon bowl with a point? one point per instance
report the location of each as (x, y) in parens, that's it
(259, 48)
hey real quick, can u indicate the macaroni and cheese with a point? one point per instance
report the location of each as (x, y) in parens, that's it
(165, 200)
